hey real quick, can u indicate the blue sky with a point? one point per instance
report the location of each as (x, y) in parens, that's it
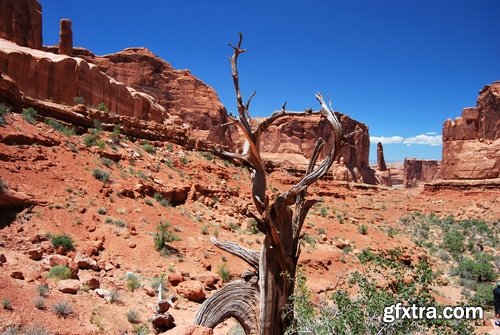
(401, 67)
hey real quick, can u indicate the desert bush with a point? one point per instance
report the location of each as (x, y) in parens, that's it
(133, 316)
(120, 223)
(133, 282)
(363, 229)
(323, 211)
(6, 303)
(62, 308)
(224, 273)
(150, 149)
(480, 268)
(59, 272)
(39, 302)
(63, 240)
(42, 290)
(362, 314)
(107, 162)
(156, 281)
(114, 296)
(102, 211)
(78, 100)
(163, 236)
(4, 109)
(59, 127)
(29, 114)
(161, 200)
(366, 255)
(482, 297)
(454, 242)
(141, 329)
(204, 229)
(207, 155)
(101, 175)
(35, 330)
(148, 202)
(102, 107)
(309, 239)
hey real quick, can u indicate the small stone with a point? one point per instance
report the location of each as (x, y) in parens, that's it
(58, 260)
(3, 259)
(162, 322)
(149, 291)
(35, 254)
(70, 286)
(132, 245)
(163, 306)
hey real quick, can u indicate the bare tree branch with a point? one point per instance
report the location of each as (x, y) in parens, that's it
(251, 257)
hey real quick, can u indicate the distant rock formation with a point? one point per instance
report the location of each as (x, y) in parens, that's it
(66, 38)
(471, 143)
(380, 158)
(44, 75)
(298, 136)
(416, 171)
(21, 22)
(186, 98)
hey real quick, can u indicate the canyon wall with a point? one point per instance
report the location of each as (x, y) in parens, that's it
(44, 75)
(416, 171)
(21, 22)
(471, 143)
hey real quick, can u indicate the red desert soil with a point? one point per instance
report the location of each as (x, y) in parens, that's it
(207, 196)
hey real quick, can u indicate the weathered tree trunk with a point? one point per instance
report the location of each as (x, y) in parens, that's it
(276, 263)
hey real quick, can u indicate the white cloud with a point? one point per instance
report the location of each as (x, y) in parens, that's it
(433, 140)
(430, 138)
(386, 140)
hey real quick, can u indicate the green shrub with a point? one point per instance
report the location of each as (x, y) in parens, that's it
(148, 202)
(59, 127)
(62, 309)
(6, 303)
(163, 236)
(483, 296)
(207, 155)
(224, 273)
(150, 149)
(133, 316)
(480, 268)
(102, 107)
(363, 229)
(204, 229)
(307, 238)
(107, 162)
(164, 202)
(115, 134)
(39, 302)
(93, 140)
(101, 175)
(133, 282)
(323, 212)
(184, 160)
(42, 290)
(102, 211)
(78, 100)
(63, 240)
(366, 255)
(120, 223)
(4, 109)
(454, 242)
(59, 272)
(29, 114)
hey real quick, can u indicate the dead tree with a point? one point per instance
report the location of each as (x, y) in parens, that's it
(258, 303)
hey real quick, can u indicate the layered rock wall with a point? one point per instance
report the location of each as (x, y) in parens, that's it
(60, 78)
(416, 171)
(186, 98)
(298, 136)
(21, 22)
(471, 143)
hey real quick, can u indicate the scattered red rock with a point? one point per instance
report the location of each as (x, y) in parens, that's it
(70, 286)
(191, 290)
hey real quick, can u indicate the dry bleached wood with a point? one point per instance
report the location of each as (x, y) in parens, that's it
(277, 261)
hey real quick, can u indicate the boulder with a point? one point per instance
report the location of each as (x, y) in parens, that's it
(175, 278)
(192, 290)
(209, 279)
(88, 279)
(17, 275)
(162, 322)
(58, 260)
(35, 254)
(70, 286)
(84, 262)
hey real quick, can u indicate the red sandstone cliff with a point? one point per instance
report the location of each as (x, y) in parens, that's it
(298, 136)
(186, 98)
(471, 143)
(21, 22)
(44, 75)
(416, 171)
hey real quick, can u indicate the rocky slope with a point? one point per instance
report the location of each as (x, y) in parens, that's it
(471, 143)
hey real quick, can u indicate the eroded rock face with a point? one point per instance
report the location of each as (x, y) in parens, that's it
(186, 98)
(298, 136)
(44, 75)
(380, 158)
(21, 22)
(66, 38)
(471, 143)
(416, 171)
